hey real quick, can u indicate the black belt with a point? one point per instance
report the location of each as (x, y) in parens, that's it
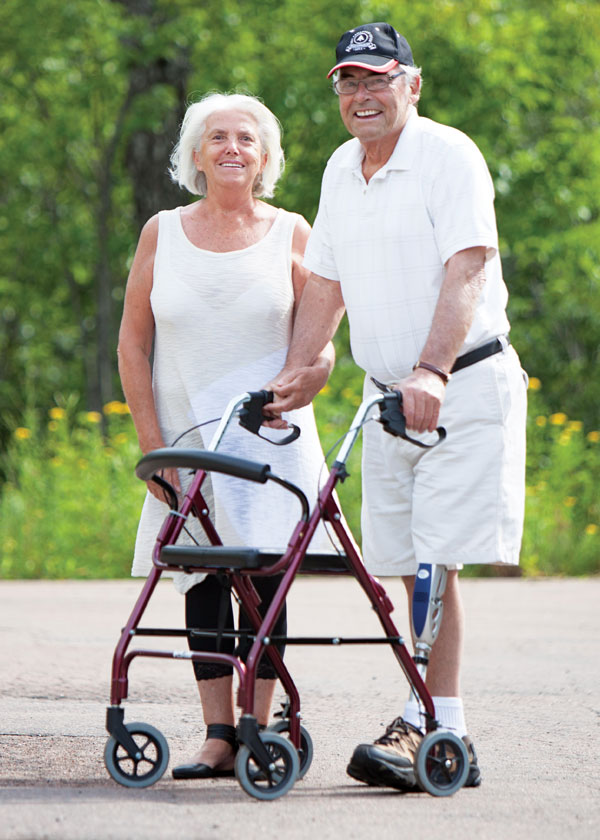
(489, 349)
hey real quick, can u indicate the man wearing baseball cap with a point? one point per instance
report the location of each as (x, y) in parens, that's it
(405, 241)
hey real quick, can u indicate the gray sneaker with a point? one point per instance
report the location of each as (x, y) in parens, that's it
(389, 762)
(474, 777)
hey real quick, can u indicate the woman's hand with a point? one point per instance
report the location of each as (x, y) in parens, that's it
(172, 477)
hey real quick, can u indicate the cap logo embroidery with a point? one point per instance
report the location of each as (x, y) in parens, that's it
(361, 41)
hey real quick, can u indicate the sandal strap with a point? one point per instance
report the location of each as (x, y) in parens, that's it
(223, 732)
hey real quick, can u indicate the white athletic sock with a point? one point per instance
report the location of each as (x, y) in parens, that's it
(411, 714)
(451, 715)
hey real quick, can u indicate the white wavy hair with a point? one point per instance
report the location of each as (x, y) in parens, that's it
(183, 169)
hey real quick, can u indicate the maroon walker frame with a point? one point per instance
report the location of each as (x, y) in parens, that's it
(239, 564)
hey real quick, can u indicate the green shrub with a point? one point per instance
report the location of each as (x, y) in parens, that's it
(70, 505)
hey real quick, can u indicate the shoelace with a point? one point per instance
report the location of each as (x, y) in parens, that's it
(398, 727)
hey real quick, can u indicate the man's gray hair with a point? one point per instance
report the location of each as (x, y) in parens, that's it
(183, 169)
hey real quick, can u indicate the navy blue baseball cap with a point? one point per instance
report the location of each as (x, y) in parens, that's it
(372, 46)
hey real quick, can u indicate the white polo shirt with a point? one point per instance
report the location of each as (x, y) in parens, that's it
(387, 241)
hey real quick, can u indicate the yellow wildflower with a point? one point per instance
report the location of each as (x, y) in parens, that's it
(120, 438)
(534, 383)
(93, 416)
(325, 389)
(565, 438)
(570, 501)
(347, 393)
(591, 529)
(575, 426)
(57, 413)
(593, 437)
(540, 420)
(116, 407)
(558, 419)
(21, 433)
(53, 425)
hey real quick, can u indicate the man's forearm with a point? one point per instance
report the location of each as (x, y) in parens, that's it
(319, 313)
(455, 310)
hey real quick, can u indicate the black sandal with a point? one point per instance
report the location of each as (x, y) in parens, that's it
(221, 731)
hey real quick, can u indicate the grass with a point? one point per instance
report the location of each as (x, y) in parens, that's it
(70, 503)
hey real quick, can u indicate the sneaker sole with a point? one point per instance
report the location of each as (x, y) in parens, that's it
(380, 774)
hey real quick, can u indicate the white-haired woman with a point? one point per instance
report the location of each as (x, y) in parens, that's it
(212, 291)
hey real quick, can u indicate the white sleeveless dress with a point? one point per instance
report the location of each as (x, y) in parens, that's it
(223, 324)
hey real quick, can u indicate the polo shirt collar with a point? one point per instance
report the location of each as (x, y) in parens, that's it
(401, 158)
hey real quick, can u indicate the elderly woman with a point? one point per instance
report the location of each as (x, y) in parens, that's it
(212, 290)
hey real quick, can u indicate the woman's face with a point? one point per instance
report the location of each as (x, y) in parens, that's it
(230, 153)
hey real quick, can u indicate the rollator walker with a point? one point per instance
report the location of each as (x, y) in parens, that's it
(268, 762)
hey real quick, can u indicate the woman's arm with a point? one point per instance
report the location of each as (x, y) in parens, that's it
(136, 336)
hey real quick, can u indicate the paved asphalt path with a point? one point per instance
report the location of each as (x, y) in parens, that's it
(531, 687)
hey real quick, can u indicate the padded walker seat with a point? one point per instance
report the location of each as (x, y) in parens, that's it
(188, 557)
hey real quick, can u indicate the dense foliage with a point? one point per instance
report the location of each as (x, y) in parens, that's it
(91, 94)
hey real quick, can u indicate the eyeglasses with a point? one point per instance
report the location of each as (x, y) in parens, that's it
(344, 87)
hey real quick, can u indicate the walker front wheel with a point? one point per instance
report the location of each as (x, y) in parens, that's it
(281, 774)
(149, 763)
(442, 763)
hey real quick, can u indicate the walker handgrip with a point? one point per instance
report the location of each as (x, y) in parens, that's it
(201, 459)
(251, 416)
(394, 422)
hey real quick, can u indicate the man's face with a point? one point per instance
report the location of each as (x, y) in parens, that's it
(374, 115)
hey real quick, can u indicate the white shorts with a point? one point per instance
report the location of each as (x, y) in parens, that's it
(462, 502)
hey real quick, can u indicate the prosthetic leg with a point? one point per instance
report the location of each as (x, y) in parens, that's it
(427, 609)
(441, 760)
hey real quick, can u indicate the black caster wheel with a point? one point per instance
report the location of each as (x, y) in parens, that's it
(442, 763)
(147, 767)
(283, 771)
(305, 753)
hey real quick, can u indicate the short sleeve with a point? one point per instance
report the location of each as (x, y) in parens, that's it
(318, 256)
(461, 202)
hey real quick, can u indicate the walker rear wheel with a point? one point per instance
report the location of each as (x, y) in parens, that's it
(442, 763)
(305, 753)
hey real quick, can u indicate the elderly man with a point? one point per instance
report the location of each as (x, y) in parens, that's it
(405, 240)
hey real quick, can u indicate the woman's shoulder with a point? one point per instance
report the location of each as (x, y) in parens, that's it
(149, 234)
(295, 220)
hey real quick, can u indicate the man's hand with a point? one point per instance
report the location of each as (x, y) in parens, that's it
(423, 393)
(295, 388)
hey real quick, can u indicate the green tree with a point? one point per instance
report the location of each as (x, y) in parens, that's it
(91, 95)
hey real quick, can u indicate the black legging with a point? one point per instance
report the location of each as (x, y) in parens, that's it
(202, 603)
